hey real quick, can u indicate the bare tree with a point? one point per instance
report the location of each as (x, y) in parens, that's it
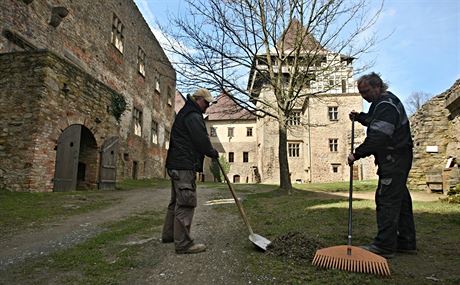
(416, 100)
(247, 46)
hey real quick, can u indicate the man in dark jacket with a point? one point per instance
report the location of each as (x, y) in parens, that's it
(389, 140)
(189, 143)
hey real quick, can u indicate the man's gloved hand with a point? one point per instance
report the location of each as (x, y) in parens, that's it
(353, 115)
(214, 154)
(351, 158)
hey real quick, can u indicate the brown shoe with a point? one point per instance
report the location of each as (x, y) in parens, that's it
(196, 248)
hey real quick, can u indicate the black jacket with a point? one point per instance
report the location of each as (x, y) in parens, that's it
(388, 134)
(189, 141)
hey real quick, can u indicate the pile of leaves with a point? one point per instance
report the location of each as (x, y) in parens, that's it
(294, 246)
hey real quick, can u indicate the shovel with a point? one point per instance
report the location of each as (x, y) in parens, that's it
(256, 239)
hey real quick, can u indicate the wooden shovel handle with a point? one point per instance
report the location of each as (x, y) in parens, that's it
(237, 201)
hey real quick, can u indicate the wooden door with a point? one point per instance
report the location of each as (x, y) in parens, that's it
(67, 153)
(108, 169)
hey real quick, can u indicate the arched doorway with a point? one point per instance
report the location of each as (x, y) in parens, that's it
(236, 178)
(76, 159)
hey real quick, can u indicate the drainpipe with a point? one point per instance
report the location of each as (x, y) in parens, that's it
(309, 138)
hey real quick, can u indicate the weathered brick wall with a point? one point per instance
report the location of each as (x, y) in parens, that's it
(84, 38)
(433, 125)
(36, 111)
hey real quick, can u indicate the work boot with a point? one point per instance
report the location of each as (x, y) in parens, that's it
(380, 251)
(195, 248)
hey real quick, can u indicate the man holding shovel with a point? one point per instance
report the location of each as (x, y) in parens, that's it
(389, 140)
(189, 143)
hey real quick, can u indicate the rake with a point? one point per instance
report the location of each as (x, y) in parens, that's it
(348, 257)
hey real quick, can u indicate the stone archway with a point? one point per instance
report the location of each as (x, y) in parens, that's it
(76, 159)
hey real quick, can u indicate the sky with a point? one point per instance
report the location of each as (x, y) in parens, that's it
(422, 53)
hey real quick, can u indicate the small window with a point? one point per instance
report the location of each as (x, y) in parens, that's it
(157, 83)
(294, 118)
(170, 96)
(137, 121)
(333, 113)
(294, 149)
(333, 145)
(154, 132)
(117, 37)
(249, 132)
(213, 132)
(335, 167)
(344, 86)
(230, 132)
(245, 156)
(231, 157)
(141, 61)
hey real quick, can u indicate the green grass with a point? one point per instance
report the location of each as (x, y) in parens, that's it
(365, 185)
(104, 259)
(129, 184)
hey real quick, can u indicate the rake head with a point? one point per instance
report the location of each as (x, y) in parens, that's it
(351, 258)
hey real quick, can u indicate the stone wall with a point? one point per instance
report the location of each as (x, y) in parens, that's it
(36, 110)
(84, 38)
(436, 137)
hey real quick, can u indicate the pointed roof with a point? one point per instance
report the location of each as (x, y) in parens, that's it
(294, 33)
(227, 109)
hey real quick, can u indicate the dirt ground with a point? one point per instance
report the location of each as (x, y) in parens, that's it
(224, 235)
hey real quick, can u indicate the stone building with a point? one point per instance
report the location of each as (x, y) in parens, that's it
(67, 68)
(436, 133)
(319, 133)
(232, 132)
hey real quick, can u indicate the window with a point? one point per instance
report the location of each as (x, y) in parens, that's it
(141, 61)
(157, 83)
(170, 96)
(154, 132)
(137, 120)
(344, 86)
(294, 149)
(335, 167)
(117, 37)
(230, 132)
(333, 145)
(245, 156)
(333, 113)
(294, 118)
(249, 132)
(167, 134)
(231, 157)
(213, 132)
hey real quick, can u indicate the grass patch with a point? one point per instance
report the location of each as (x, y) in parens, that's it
(104, 259)
(323, 217)
(19, 210)
(362, 185)
(129, 184)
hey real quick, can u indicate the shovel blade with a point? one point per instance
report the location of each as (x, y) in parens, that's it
(259, 241)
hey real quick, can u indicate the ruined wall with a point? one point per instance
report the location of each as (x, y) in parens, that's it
(436, 137)
(36, 110)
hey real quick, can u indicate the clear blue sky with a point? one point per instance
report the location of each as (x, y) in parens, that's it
(422, 53)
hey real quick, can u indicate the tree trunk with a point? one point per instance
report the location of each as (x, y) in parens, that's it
(285, 179)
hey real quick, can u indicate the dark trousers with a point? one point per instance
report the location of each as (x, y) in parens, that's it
(179, 216)
(395, 219)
